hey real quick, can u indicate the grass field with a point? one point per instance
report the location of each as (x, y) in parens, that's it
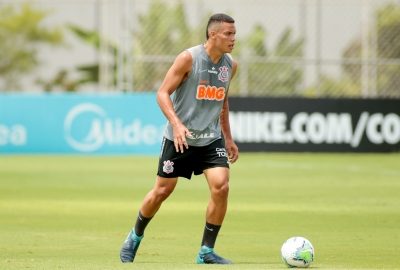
(69, 212)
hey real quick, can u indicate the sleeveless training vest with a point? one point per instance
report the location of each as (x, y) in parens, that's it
(198, 100)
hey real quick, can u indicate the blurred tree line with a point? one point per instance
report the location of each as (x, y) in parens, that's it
(382, 58)
(21, 36)
(165, 31)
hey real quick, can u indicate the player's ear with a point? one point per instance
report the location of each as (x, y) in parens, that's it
(212, 33)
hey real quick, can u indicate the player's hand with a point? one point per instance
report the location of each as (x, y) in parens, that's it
(180, 135)
(233, 151)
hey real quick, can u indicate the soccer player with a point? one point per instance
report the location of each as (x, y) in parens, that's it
(197, 138)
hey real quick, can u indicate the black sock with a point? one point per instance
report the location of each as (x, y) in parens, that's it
(141, 223)
(210, 235)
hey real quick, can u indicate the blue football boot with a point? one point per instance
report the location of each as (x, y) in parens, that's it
(130, 247)
(208, 256)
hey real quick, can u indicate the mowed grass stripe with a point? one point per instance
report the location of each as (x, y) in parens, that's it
(73, 212)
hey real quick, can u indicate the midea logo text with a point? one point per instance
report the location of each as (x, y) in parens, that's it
(88, 128)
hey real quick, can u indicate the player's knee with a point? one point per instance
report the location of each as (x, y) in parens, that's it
(221, 191)
(163, 192)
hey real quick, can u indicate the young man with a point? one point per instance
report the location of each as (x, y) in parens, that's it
(198, 117)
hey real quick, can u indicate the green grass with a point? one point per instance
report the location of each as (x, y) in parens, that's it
(69, 212)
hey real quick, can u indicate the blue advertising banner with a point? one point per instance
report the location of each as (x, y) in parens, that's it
(87, 124)
(134, 124)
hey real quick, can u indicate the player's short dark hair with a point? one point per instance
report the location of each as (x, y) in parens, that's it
(218, 18)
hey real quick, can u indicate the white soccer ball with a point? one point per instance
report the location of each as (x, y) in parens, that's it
(297, 252)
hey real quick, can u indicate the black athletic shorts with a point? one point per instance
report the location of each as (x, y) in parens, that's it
(195, 159)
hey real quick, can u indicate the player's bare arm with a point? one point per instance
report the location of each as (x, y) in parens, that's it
(174, 77)
(231, 147)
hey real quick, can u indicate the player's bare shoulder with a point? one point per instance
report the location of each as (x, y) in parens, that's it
(183, 62)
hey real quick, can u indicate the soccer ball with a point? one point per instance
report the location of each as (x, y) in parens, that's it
(297, 252)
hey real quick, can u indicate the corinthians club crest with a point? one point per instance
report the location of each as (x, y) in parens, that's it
(168, 166)
(223, 74)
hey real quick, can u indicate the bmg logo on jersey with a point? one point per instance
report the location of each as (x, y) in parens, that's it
(221, 152)
(209, 92)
